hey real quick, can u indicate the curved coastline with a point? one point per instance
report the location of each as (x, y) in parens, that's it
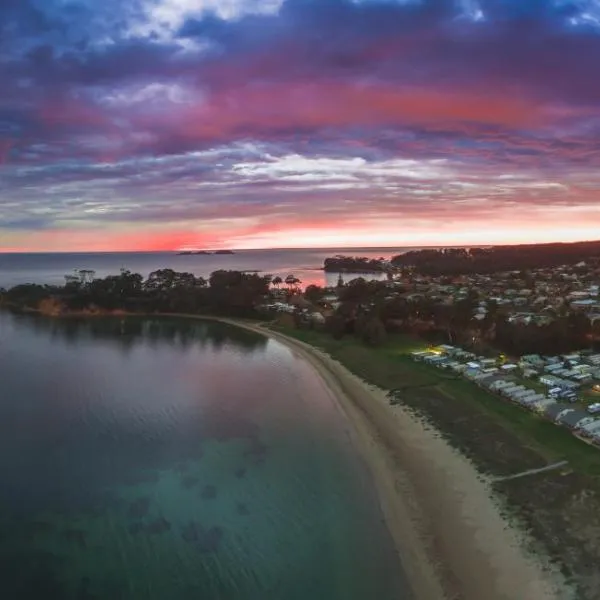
(446, 524)
(447, 527)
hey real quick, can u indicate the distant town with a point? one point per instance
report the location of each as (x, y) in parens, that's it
(530, 335)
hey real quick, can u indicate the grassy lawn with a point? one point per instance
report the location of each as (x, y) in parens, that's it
(388, 366)
(425, 388)
(554, 442)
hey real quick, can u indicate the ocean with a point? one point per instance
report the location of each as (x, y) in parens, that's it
(305, 264)
(169, 459)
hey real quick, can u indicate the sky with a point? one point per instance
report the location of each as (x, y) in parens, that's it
(172, 124)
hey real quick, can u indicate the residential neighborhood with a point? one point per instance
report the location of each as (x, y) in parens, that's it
(548, 310)
(560, 388)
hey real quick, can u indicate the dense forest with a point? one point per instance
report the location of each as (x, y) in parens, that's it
(354, 264)
(231, 293)
(455, 261)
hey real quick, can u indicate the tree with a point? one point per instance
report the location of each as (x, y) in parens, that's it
(277, 281)
(237, 292)
(171, 291)
(314, 293)
(336, 325)
(292, 282)
(373, 332)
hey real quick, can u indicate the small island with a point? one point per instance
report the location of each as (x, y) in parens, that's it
(355, 264)
(202, 252)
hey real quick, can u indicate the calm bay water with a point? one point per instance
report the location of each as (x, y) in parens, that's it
(177, 460)
(305, 264)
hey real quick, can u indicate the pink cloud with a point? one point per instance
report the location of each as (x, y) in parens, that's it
(262, 110)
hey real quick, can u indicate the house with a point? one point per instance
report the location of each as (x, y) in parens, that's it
(520, 395)
(549, 380)
(500, 384)
(420, 355)
(513, 393)
(488, 362)
(589, 428)
(574, 418)
(532, 361)
(582, 377)
(531, 400)
(552, 411)
(553, 360)
(554, 381)
(447, 349)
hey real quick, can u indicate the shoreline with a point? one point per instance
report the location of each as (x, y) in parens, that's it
(442, 514)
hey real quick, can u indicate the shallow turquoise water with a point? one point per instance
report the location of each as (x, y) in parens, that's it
(169, 459)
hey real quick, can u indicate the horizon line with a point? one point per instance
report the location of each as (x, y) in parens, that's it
(279, 248)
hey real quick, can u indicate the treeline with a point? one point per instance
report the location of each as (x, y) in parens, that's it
(354, 264)
(457, 261)
(371, 311)
(230, 293)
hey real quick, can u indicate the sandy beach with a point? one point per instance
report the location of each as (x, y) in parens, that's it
(447, 526)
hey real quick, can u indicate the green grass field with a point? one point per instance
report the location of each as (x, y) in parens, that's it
(424, 388)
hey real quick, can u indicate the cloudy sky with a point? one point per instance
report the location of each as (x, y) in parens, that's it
(163, 124)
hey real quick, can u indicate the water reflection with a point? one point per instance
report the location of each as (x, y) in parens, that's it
(131, 331)
(203, 462)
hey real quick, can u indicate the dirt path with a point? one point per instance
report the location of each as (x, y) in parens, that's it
(558, 465)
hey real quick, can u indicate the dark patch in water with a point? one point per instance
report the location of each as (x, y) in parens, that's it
(242, 509)
(209, 492)
(189, 482)
(205, 540)
(239, 473)
(83, 591)
(210, 539)
(111, 502)
(222, 425)
(32, 575)
(135, 528)
(139, 477)
(138, 508)
(149, 477)
(35, 528)
(161, 525)
(189, 533)
(76, 536)
(257, 451)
